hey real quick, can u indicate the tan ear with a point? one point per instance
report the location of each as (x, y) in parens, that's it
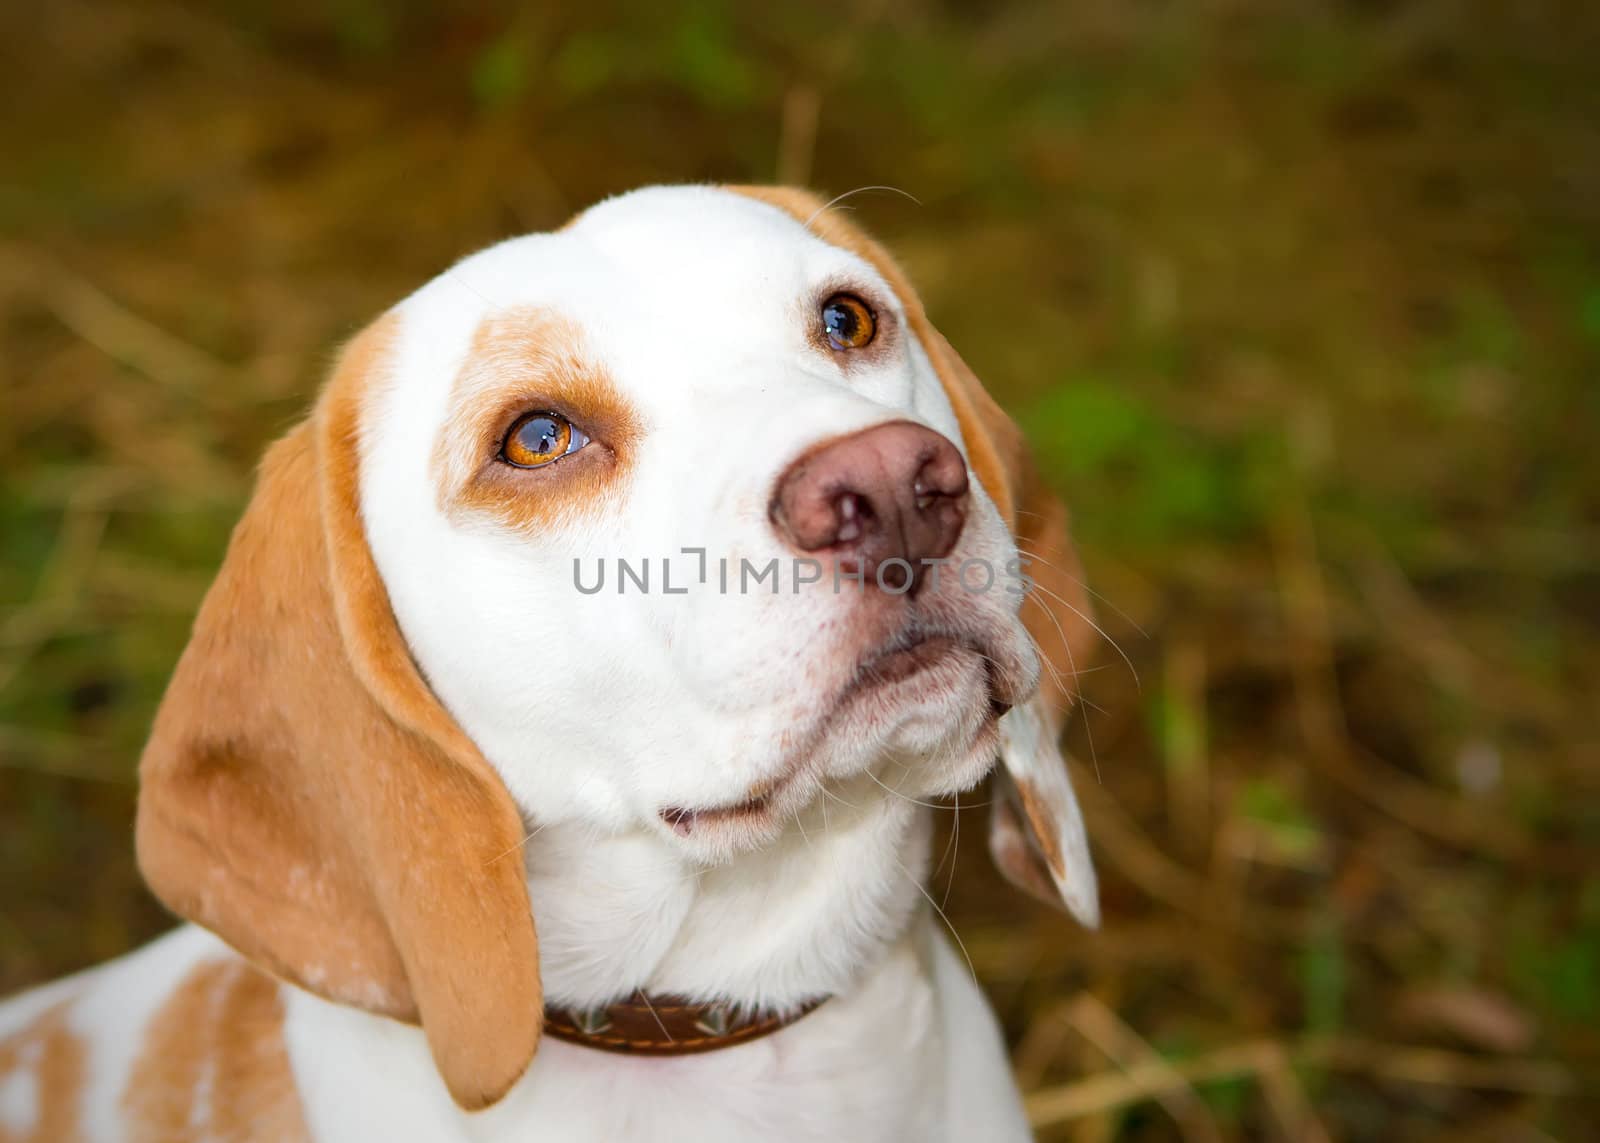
(1036, 831)
(1037, 835)
(305, 796)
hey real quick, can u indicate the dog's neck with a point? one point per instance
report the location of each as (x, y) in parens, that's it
(804, 917)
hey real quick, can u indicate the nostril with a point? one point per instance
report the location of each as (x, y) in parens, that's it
(942, 473)
(853, 514)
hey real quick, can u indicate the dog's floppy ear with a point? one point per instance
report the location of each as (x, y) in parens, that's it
(1037, 835)
(305, 796)
(1036, 831)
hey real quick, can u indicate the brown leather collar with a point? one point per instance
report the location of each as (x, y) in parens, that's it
(665, 1025)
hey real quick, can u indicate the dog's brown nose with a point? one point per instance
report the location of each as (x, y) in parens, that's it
(895, 492)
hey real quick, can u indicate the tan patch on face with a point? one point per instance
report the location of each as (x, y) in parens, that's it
(213, 1067)
(530, 360)
(48, 1056)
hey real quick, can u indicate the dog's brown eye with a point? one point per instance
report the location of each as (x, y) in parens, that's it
(539, 438)
(847, 321)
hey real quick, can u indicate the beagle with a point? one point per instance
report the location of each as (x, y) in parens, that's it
(640, 584)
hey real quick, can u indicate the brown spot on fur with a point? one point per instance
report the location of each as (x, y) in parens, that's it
(527, 360)
(48, 1053)
(213, 1067)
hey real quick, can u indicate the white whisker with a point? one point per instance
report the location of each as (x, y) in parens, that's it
(1079, 580)
(834, 201)
(904, 797)
(952, 850)
(960, 944)
(1101, 631)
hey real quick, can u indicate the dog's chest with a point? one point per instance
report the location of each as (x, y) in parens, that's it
(802, 1084)
(866, 1067)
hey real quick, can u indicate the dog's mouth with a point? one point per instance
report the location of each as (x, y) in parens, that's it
(921, 652)
(915, 653)
(881, 683)
(684, 822)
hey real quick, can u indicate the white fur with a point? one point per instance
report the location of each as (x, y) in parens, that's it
(600, 711)
(910, 1054)
(19, 1097)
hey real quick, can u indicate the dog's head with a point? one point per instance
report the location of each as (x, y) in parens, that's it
(673, 521)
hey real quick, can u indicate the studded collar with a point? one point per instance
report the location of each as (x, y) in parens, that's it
(666, 1025)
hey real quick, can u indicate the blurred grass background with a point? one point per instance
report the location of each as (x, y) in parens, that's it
(1299, 301)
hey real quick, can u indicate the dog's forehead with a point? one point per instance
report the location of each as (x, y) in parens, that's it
(705, 235)
(657, 259)
(673, 220)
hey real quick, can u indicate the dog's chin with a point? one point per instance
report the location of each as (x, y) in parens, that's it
(917, 721)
